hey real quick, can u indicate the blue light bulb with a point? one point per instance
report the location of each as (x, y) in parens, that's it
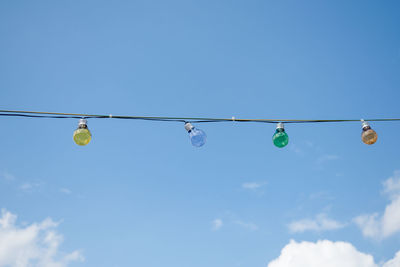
(197, 136)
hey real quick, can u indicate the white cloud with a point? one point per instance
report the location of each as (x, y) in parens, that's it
(391, 186)
(65, 190)
(379, 227)
(395, 262)
(217, 224)
(391, 218)
(327, 254)
(248, 225)
(296, 149)
(369, 224)
(321, 195)
(252, 185)
(35, 245)
(7, 176)
(325, 158)
(309, 143)
(230, 218)
(320, 223)
(30, 187)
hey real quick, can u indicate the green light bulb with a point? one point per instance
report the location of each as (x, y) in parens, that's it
(280, 138)
(82, 135)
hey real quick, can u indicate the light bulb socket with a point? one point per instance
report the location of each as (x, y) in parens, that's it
(82, 123)
(365, 125)
(188, 127)
(280, 126)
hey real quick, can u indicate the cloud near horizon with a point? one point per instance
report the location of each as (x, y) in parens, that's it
(35, 245)
(382, 226)
(327, 254)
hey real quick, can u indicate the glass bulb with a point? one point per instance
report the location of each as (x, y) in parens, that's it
(82, 135)
(197, 137)
(369, 136)
(280, 138)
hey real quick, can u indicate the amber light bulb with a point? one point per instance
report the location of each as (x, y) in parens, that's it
(368, 136)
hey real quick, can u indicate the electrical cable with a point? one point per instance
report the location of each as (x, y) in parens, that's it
(58, 115)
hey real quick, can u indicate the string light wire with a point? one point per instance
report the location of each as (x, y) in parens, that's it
(58, 115)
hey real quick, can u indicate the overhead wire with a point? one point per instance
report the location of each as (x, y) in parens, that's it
(59, 115)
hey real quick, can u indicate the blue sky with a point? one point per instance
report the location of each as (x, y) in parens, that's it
(139, 194)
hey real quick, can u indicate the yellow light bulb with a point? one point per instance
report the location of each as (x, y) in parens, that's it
(82, 135)
(368, 136)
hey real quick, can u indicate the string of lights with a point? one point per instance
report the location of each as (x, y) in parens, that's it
(82, 135)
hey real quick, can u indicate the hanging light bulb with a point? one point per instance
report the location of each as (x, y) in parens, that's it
(280, 138)
(82, 135)
(368, 136)
(197, 136)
